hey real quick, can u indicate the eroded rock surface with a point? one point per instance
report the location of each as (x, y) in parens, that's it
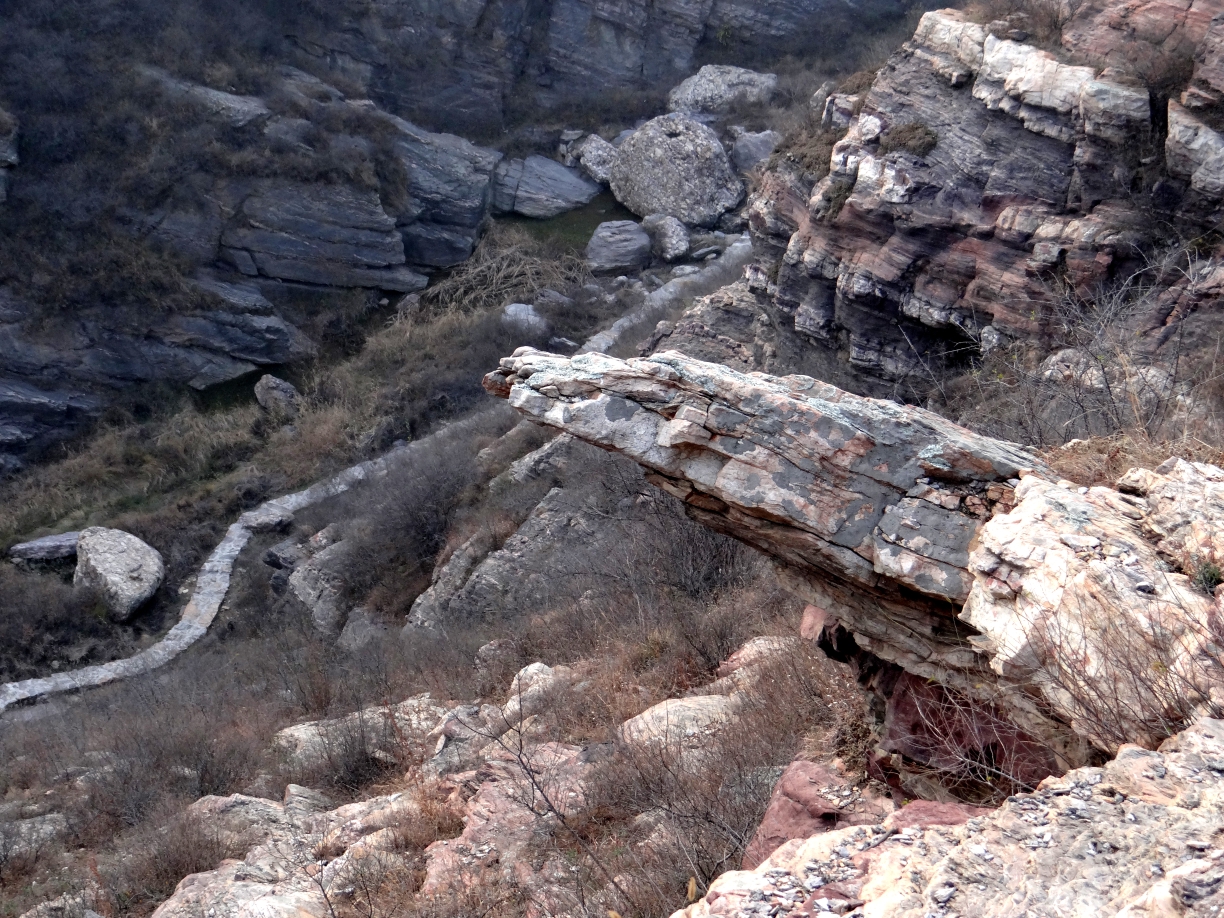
(715, 88)
(913, 251)
(1136, 837)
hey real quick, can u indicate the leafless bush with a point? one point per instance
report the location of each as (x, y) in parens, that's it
(508, 265)
(1097, 376)
(155, 860)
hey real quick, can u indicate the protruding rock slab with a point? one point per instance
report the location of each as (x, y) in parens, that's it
(869, 506)
(48, 548)
(120, 568)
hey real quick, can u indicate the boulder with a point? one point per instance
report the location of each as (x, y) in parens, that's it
(539, 187)
(716, 88)
(617, 247)
(675, 165)
(751, 149)
(596, 156)
(48, 548)
(670, 237)
(679, 725)
(524, 317)
(320, 588)
(277, 396)
(121, 569)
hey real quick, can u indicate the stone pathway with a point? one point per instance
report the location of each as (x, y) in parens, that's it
(211, 586)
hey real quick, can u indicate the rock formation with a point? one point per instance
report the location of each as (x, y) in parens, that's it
(676, 166)
(539, 187)
(1136, 837)
(473, 63)
(716, 88)
(976, 168)
(122, 570)
(8, 150)
(618, 247)
(935, 557)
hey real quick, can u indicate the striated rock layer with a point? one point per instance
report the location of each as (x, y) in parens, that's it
(1035, 167)
(925, 554)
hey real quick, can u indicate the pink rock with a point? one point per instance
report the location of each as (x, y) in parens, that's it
(922, 813)
(814, 619)
(810, 799)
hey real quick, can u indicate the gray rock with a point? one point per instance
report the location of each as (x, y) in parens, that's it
(751, 149)
(617, 246)
(284, 556)
(320, 588)
(716, 88)
(48, 548)
(121, 569)
(596, 156)
(277, 396)
(233, 109)
(816, 105)
(670, 236)
(839, 111)
(8, 150)
(335, 235)
(539, 187)
(675, 165)
(525, 317)
(361, 630)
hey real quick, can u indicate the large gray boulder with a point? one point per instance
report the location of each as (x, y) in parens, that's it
(675, 165)
(539, 187)
(119, 568)
(618, 246)
(716, 88)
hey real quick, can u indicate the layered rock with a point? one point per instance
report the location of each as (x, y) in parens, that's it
(1026, 605)
(473, 60)
(1033, 165)
(540, 187)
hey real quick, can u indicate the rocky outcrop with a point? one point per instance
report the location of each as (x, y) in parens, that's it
(334, 235)
(474, 62)
(717, 88)
(676, 166)
(909, 252)
(935, 556)
(120, 569)
(1135, 837)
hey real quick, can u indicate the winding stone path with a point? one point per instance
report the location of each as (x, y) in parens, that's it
(212, 584)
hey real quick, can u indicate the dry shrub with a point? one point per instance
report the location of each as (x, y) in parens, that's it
(914, 137)
(508, 265)
(151, 862)
(1103, 460)
(434, 816)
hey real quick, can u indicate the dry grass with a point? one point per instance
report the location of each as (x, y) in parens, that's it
(914, 137)
(508, 265)
(1103, 460)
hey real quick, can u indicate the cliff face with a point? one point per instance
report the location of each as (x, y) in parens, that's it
(998, 611)
(1035, 169)
(461, 68)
